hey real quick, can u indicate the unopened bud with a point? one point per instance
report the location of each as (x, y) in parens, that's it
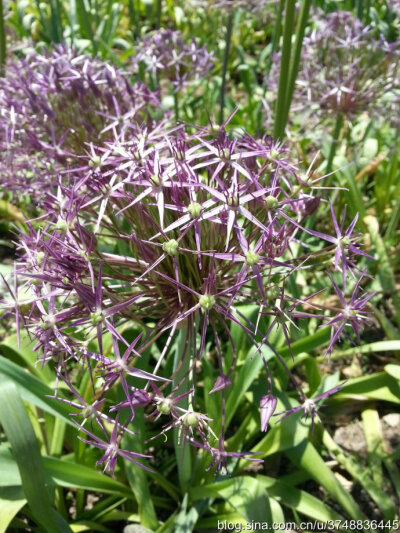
(267, 408)
(221, 383)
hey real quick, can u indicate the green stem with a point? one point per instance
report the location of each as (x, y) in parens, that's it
(279, 125)
(2, 40)
(182, 452)
(335, 141)
(228, 39)
(176, 106)
(278, 27)
(57, 439)
(133, 16)
(359, 9)
(159, 10)
(295, 59)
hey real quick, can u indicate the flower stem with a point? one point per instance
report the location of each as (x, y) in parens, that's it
(228, 39)
(279, 124)
(278, 27)
(295, 58)
(176, 106)
(182, 451)
(335, 140)
(159, 10)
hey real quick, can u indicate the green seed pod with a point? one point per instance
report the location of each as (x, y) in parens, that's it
(171, 247)
(207, 302)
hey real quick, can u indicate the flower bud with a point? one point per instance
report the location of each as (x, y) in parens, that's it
(267, 408)
(221, 383)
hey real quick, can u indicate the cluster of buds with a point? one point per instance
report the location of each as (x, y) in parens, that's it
(165, 51)
(169, 232)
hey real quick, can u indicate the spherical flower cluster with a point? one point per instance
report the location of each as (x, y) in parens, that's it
(52, 106)
(165, 51)
(168, 232)
(344, 69)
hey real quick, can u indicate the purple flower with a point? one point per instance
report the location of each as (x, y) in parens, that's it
(221, 383)
(111, 448)
(345, 69)
(165, 51)
(57, 103)
(220, 455)
(350, 314)
(166, 232)
(309, 405)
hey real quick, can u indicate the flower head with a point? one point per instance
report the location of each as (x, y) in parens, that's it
(162, 231)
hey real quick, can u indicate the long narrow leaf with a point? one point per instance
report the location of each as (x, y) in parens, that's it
(25, 447)
(32, 390)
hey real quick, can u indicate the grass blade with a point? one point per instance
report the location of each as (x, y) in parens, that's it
(12, 500)
(25, 447)
(279, 123)
(305, 456)
(32, 390)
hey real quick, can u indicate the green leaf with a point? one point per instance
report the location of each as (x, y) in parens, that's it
(283, 435)
(374, 441)
(385, 270)
(245, 377)
(187, 518)
(137, 477)
(25, 447)
(32, 390)
(67, 474)
(297, 499)
(25, 355)
(63, 474)
(9, 474)
(305, 456)
(379, 386)
(380, 346)
(245, 494)
(85, 23)
(393, 370)
(384, 502)
(12, 500)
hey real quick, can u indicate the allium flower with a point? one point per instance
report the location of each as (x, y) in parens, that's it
(309, 405)
(168, 233)
(52, 106)
(165, 51)
(112, 450)
(351, 314)
(344, 69)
